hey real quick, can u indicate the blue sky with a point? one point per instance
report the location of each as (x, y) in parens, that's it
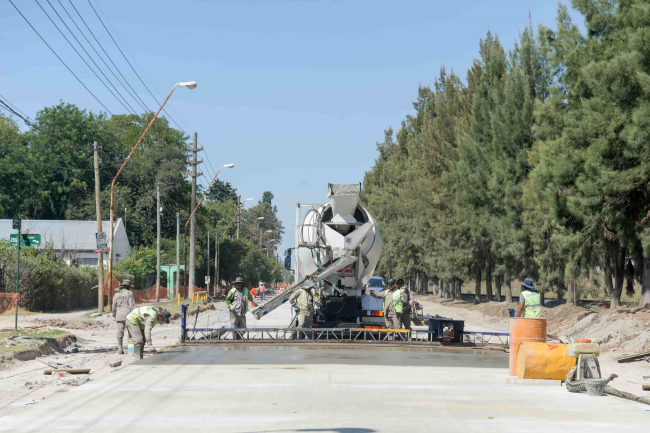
(294, 93)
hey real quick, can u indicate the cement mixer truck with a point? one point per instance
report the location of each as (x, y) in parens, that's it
(338, 245)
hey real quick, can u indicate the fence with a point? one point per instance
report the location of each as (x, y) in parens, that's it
(8, 301)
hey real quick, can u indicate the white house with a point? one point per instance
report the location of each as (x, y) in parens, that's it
(74, 240)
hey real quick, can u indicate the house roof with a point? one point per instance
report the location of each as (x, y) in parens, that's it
(62, 234)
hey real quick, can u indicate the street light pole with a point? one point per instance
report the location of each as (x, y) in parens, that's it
(158, 242)
(189, 85)
(216, 283)
(251, 227)
(239, 207)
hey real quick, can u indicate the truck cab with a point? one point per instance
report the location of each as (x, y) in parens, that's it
(372, 309)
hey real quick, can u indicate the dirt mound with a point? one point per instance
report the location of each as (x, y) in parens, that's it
(624, 330)
(619, 330)
(497, 309)
(73, 324)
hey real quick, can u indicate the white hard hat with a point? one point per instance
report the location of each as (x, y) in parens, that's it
(309, 284)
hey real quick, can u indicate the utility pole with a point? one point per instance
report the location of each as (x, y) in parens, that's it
(207, 264)
(158, 242)
(195, 150)
(100, 258)
(238, 215)
(185, 259)
(216, 284)
(178, 253)
(17, 224)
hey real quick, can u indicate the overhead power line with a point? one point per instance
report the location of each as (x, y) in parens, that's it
(34, 126)
(100, 56)
(143, 83)
(81, 57)
(110, 58)
(127, 61)
(60, 59)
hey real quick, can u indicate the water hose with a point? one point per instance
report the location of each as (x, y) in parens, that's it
(626, 395)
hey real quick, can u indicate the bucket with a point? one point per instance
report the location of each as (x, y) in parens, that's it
(524, 329)
(596, 387)
(537, 360)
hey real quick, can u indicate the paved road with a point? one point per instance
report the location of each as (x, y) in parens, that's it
(298, 388)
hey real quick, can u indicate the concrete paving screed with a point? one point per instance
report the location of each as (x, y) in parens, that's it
(331, 354)
(307, 389)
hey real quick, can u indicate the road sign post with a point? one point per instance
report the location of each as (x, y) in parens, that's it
(102, 245)
(17, 225)
(26, 240)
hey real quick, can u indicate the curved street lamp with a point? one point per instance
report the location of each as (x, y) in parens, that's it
(189, 85)
(235, 216)
(208, 189)
(251, 227)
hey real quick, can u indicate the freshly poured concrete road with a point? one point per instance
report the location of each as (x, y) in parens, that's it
(343, 388)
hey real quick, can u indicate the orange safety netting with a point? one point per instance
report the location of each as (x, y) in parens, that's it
(8, 301)
(149, 295)
(107, 286)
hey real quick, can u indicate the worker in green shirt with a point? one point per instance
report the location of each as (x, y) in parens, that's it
(140, 322)
(394, 300)
(237, 304)
(530, 301)
(302, 301)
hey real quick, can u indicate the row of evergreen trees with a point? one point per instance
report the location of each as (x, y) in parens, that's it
(537, 165)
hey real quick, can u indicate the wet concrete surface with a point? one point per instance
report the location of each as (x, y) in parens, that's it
(297, 388)
(330, 354)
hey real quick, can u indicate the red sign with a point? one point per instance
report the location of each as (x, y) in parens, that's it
(102, 250)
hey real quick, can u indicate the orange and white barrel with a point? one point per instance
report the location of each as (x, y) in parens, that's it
(521, 330)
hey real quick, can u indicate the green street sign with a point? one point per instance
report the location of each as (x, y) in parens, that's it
(26, 240)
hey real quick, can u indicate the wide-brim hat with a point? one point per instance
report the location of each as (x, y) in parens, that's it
(239, 280)
(400, 282)
(126, 283)
(528, 282)
(167, 315)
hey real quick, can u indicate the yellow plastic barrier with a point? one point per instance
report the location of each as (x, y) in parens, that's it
(537, 360)
(200, 296)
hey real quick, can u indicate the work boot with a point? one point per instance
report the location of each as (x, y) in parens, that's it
(119, 344)
(137, 352)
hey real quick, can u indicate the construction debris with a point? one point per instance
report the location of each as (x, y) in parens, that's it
(69, 370)
(637, 357)
(115, 364)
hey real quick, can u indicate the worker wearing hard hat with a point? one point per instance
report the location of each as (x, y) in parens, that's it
(302, 301)
(394, 301)
(408, 305)
(237, 303)
(123, 304)
(530, 301)
(141, 321)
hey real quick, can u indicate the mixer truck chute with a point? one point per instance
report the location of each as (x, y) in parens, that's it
(338, 244)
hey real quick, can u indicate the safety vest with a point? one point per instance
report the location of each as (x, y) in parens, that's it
(397, 301)
(262, 289)
(303, 301)
(231, 295)
(137, 316)
(532, 304)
